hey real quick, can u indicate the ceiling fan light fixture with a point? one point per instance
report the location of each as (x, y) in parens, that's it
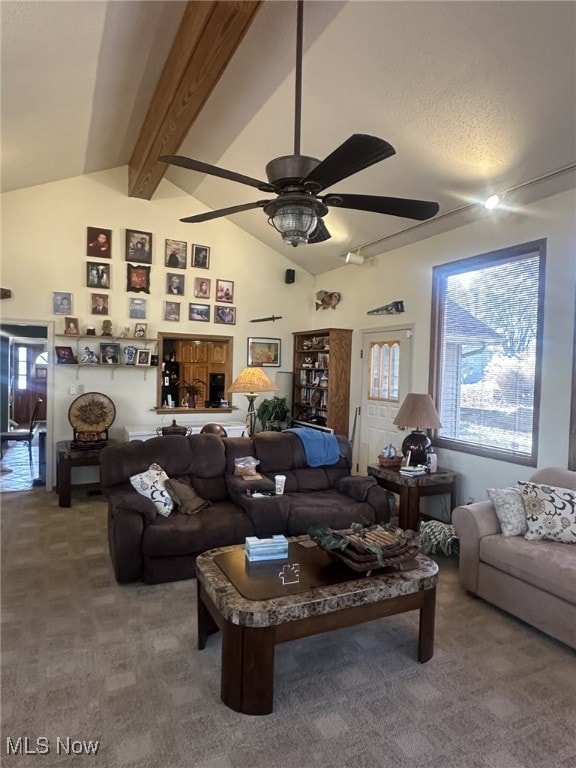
(294, 222)
(492, 202)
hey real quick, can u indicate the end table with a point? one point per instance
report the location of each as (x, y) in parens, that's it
(411, 490)
(66, 459)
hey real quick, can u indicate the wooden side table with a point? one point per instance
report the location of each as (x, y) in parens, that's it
(411, 490)
(66, 459)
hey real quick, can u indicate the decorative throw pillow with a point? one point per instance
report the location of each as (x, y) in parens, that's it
(185, 497)
(550, 512)
(510, 510)
(152, 484)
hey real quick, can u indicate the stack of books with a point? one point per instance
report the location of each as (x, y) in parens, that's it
(414, 470)
(274, 548)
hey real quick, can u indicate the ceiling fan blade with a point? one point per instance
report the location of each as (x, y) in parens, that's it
(393, 206)
(356, 153)
(199, 217)
(320, 234)
(213, 170)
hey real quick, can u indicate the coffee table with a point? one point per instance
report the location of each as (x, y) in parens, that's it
(255, 610)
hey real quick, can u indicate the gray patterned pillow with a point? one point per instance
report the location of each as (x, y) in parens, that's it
(510, 510)
(152, 484)
(550, 511)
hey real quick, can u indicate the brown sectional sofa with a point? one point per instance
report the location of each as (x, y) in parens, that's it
(146, 546)
(533, 580)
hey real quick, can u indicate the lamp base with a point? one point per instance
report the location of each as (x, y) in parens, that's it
(417, 443)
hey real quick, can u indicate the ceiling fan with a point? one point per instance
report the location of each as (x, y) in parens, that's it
(297, 211)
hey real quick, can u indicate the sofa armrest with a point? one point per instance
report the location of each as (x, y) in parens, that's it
(268, 514)
(366, 489)
(237, 485)
(472, 523)
(128, 515)
(382, 501)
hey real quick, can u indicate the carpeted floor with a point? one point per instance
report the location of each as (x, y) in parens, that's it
(86, 659)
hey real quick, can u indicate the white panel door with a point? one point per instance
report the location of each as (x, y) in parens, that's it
(385, 384)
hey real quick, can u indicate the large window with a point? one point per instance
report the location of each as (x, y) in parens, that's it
(487, 315)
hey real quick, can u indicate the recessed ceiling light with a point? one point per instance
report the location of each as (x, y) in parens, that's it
(492, 202)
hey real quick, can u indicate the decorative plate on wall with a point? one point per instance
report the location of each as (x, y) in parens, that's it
(92, 412)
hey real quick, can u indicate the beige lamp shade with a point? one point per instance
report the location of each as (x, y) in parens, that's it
(419, 412)
(251, 381)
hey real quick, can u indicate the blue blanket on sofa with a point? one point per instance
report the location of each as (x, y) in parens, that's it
(321, 448)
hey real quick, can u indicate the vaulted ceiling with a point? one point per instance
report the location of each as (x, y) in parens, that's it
(476, 97)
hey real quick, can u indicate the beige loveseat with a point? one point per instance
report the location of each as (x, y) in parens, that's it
(533, 580)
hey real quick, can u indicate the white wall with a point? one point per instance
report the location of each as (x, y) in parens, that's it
(44, 250)
(406, 274)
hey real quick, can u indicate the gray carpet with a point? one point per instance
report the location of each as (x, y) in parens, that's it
(86, 659)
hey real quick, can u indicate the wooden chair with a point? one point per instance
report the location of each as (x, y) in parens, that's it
(23, 435)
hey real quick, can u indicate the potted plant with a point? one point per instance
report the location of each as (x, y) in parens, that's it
(273, 413)
(192, 390)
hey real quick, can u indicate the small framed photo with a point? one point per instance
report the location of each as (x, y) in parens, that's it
(172, 311)
(225, 315)
(64, 355)
(202, 287)
(200, 312)
(137, 278)
(137, 309)
(99, 303)
(143, 356)
(175, 283)
(99, 242)
(175, 254)
(109, 353)
(139, 246)
(71, 327)
(41, 372)
(97, 275)
(201, 256)
(265, 352)
(140, 330)
(225, 291)
(61, 303)
(89, 356)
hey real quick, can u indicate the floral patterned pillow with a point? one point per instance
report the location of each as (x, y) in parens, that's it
(510, 510)
(152, 484)
(550, 512)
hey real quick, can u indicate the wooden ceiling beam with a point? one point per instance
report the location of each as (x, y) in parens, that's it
(208, 35)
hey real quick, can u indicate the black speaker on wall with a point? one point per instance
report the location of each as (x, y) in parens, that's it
(290, 276)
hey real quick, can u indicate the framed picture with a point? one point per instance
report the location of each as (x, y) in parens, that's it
(200, 256)
(99, 303)
(97, 275)
(226, 315)
(41, 372)
(139, 246)
(137, 278)
(137, 309)
(225, 291)
(71, 327)
(265, 352)
(175, 283)
(99, 242)
(65, 355)
(202, 287)
(89, 357)
(172, 311)
(200, 312)
(140, 330)
(175, 254)
(143, 356)
(61, 303)
(109, 353)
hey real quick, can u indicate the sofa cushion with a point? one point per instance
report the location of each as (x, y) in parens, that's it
(185, 497)
(152, 485)
(547, 565)
(219, 525)
(326, 507)
(550, 512)
(510, 510)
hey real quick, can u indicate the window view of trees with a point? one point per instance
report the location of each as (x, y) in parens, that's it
(487, 319)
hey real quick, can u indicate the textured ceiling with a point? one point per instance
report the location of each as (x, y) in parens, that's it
(475, 97)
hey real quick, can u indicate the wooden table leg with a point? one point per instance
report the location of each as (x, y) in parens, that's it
(426, 632)
(247, 683)
(409, 513)
(64, 471)
(206, 624)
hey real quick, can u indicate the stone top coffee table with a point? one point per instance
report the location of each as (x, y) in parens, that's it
(259, 605)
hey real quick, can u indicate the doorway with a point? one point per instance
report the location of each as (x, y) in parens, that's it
(386, 378)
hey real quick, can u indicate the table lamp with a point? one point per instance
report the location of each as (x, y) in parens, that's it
(251, 382)
(419, 412)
